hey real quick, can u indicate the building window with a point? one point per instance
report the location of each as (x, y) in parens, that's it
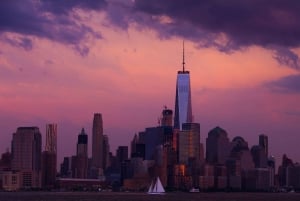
(14, 179)
(5, 179)
(27, 179)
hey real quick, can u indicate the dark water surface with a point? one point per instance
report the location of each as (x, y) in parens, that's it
(100, 196)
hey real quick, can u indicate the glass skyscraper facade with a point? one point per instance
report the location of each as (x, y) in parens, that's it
(183, 102)
(189, 143)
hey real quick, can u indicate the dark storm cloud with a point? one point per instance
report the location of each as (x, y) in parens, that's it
(225, 25)
(53, 20)
(232, 24)
(289, 84)
(247, 22)
(64, 6)
(120, 13)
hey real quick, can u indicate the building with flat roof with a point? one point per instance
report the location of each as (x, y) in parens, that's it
(27, 156)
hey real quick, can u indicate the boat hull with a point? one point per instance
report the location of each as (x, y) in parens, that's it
(162, 193)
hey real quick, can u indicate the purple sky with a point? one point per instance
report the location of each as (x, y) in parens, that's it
(63, 61)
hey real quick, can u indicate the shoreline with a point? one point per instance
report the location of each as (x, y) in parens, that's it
(143, 196)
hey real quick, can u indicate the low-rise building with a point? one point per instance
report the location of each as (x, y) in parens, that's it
(11, 180)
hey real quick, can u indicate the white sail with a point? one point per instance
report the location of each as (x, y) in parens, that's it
(156, 187)
(151, 187)
(159, 186)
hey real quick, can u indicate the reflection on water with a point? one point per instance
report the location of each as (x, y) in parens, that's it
(96, 196)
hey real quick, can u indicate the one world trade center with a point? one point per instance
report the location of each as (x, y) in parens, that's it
(183, 102)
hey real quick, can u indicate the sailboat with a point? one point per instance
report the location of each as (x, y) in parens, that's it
(156, 187)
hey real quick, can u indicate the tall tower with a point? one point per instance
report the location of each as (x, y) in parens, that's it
(183, 102)
(263, 142)
(81, 165)
(27, 154)
(97, 143)
(49, 157)
(51, 138)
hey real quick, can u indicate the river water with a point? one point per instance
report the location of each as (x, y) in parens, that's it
(111, 196)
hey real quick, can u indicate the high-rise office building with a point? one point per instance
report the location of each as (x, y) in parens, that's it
(137, 148)
(81, 160)
(49, 157)
(97, 142)
(217, 146)
(27, 155)
(240, 151)
(263, 142)
(183, 102)
(259, 156)
(48, 169)
(283, 169)
(153, 137)
(189, 143)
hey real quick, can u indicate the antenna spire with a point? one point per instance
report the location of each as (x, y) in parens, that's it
(183, 62)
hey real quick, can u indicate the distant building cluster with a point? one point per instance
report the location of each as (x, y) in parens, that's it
(171, 151)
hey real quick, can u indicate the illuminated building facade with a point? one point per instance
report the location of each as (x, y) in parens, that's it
(189, 143)
(183, 102)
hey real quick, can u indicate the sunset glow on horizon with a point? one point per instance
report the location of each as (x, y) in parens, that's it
(63, 62)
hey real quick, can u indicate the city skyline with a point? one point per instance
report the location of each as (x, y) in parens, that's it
(125, 68)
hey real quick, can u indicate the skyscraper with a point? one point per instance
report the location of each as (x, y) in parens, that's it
(263, 142)
(49, 157)
(183, 102)
(259, 156)
(97, 143)
(51, 138)
(27, 154)
(217, 146)
(189, 143)
(81, 161)
(82, 144)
